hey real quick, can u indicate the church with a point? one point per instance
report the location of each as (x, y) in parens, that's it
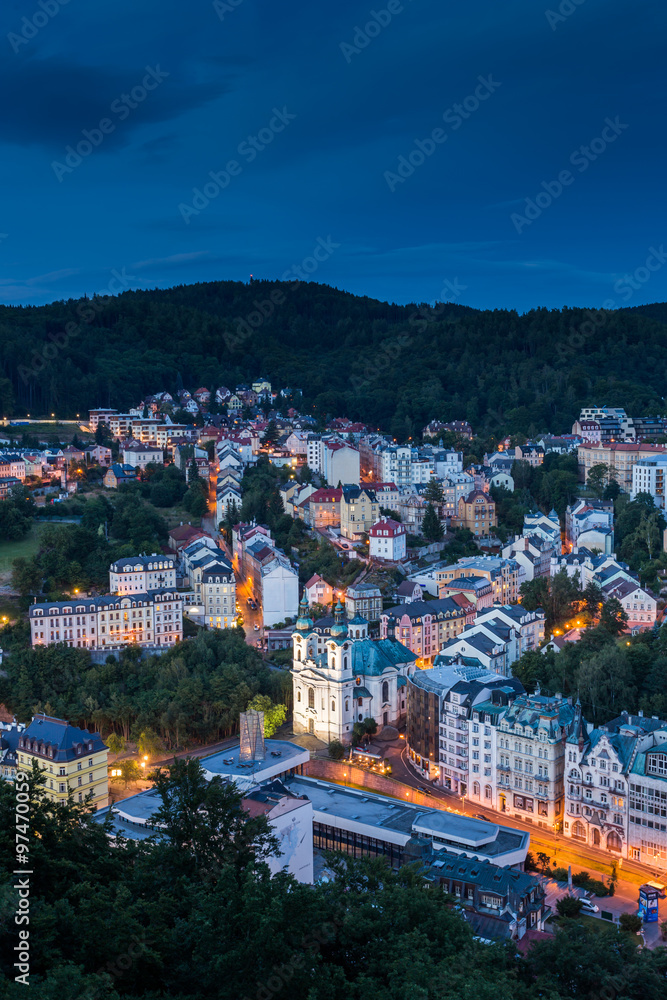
(340, 676)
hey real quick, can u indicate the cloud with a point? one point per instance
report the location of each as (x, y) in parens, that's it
(48, 102)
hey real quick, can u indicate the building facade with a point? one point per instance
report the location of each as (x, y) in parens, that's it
(74, 761)
(142, 573)
(339, 679)
(109, 622)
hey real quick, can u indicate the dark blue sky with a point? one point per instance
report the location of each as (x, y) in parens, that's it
(454, 226)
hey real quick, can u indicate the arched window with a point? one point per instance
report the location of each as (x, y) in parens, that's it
(333, 706)
(579, 830)
(475, 788)
(385, 691)
(347, 705)
(298, 696)
(614, 842)
(487, 792)
(345, 662)
(311, 697)
(298, 654)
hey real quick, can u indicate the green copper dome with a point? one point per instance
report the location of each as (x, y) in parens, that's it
(304, 622)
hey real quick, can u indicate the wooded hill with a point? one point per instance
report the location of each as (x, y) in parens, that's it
(395, 367)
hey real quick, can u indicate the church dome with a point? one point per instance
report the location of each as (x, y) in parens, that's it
(339, 628)
(304, 622)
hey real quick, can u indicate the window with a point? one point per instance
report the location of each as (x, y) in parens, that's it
(311, 697)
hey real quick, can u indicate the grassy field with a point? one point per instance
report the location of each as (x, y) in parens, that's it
(13, 550)
(54, 431)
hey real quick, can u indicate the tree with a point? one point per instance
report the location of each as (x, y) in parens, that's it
(597, 478)
(593, 599)
(149, 743)
(543, 860)
(207, 826)
(433, 491)
(274, 715)
(336, 750)
(115, 743)
(630, 922)
(568, 906)
(129, 771)
(431, 525)
(613, 617)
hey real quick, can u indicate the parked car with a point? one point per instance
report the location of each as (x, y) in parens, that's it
(588, 906)
(256, 627)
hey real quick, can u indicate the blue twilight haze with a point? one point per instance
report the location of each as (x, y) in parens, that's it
(499, 154)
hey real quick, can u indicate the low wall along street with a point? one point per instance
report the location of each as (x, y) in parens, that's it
(343, 773)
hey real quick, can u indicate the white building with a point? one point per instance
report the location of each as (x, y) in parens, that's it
(139, 574)
(109, 622)
(140, 455)
(280, 590)
(395, 464)
(218, 594)
(596, 799)
(340, 463)
(339, 680)
(388, 540)
(648, 476)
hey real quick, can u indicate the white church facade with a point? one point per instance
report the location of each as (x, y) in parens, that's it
(344, 677)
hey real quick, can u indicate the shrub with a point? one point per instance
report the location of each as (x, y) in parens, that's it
(336, 750)
(568, 906)
(630, 922)
(560, 874)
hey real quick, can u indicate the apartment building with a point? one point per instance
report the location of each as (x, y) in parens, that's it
(590, 524)
(619, 457)
(531, 758)
(140, 574)
(447, 739)
(140, 455)
(596, 795)
(477, 513)
(73, 760)
(218, 594)
(320, 508)
(426, 626)
(649, 476)
(359, 511)
(363, 600)
(110, 622)
(502, 574)
(388, 540)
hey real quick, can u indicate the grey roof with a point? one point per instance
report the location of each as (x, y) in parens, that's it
(142, 561)
(46, 732)
(417, 609)
(483, 873)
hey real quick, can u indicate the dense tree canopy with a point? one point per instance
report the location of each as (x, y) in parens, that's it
(194, 692)
(392, 366)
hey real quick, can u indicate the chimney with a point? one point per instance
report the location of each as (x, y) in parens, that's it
(641, 713)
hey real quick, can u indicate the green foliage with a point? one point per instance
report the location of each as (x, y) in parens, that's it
(568, 906)
(115, 743)
(336, 750)
(497, 368)
(556, 595)
(613, 617)
(196, 914)
(630, 922)
(16, 514)
(274, 715)
(194, 691)
(129, 771)
(432, 529)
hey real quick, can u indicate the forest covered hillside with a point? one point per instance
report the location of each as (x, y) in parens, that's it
(391, 366)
